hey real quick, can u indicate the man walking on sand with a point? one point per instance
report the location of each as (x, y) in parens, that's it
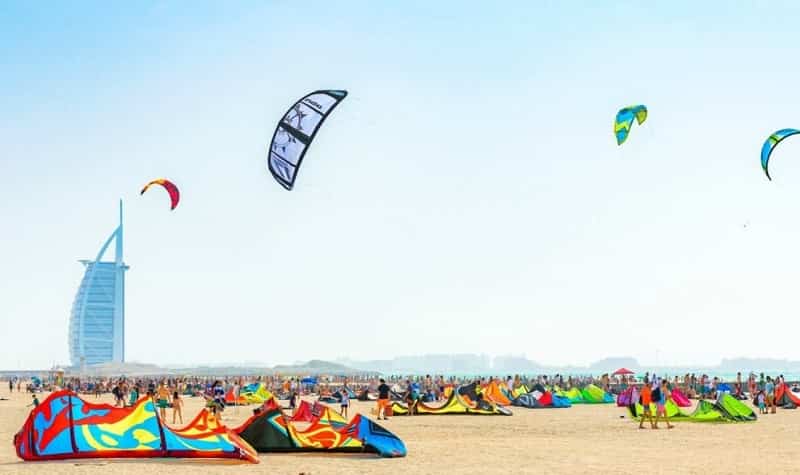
(646, 399)
(383, 399)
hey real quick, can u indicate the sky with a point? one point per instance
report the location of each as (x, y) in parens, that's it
(468, 196)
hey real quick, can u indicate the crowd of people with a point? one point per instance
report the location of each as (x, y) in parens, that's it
(167, 392)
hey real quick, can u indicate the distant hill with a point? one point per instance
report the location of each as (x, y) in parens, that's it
(615, 363)
(313, 367)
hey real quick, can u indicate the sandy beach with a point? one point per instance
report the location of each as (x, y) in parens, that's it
(580, 439)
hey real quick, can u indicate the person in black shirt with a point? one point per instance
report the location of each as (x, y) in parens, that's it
(383, 399)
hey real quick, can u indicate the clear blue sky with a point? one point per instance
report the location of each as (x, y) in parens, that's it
(468, 196)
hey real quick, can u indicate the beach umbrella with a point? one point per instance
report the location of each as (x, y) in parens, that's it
(622, 371)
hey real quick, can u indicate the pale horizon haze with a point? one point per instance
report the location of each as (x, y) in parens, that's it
(468, 196)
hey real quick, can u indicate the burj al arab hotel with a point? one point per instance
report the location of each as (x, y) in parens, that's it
(97, 322)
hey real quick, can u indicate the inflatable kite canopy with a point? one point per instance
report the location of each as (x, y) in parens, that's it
(770, 144)
(296, 131)
(174, 193)
(65, 426)
(271, 431)
(624, 121)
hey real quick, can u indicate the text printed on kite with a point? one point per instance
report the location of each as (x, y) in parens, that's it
(296, 131)
(770, 144)
(174, 193)
(624, 121)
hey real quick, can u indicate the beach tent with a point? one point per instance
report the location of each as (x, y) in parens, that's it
(455, 404)
(64, 426)
(271, 431)
(680, 399)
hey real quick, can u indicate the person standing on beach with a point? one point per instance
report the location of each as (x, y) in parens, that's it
(177, 405)
(410, 397)
(383, 399)
(661, 396)
(769, 388)
(10, 385)
(645, 398)
(345, 403)
(162, 400)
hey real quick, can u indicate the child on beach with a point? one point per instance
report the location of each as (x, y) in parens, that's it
(35, 402)
(762, 407)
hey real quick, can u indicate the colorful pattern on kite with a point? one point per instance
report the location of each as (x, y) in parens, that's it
(271, 431)
(769, 145)
(65, 426)
(624, 121)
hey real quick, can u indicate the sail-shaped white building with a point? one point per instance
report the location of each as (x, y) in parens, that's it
(97, 323)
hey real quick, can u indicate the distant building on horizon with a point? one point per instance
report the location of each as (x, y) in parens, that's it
(97, 322)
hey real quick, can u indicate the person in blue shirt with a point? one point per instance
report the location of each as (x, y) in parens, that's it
(770, 390)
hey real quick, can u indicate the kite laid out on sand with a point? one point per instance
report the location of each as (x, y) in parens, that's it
(624, 121)
(785, 397)
(591, 394)
(464, 400)
(726, 409)
(626, 398)
(174, 193)
(64, 426)
(541, 400)
(770, 144)
(328, 432)
(296, 131)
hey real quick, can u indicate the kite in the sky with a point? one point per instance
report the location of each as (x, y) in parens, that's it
(624, 121)
(296, 130)
(174, 194)
(772, 141)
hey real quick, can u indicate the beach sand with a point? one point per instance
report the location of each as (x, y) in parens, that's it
(580, 439)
